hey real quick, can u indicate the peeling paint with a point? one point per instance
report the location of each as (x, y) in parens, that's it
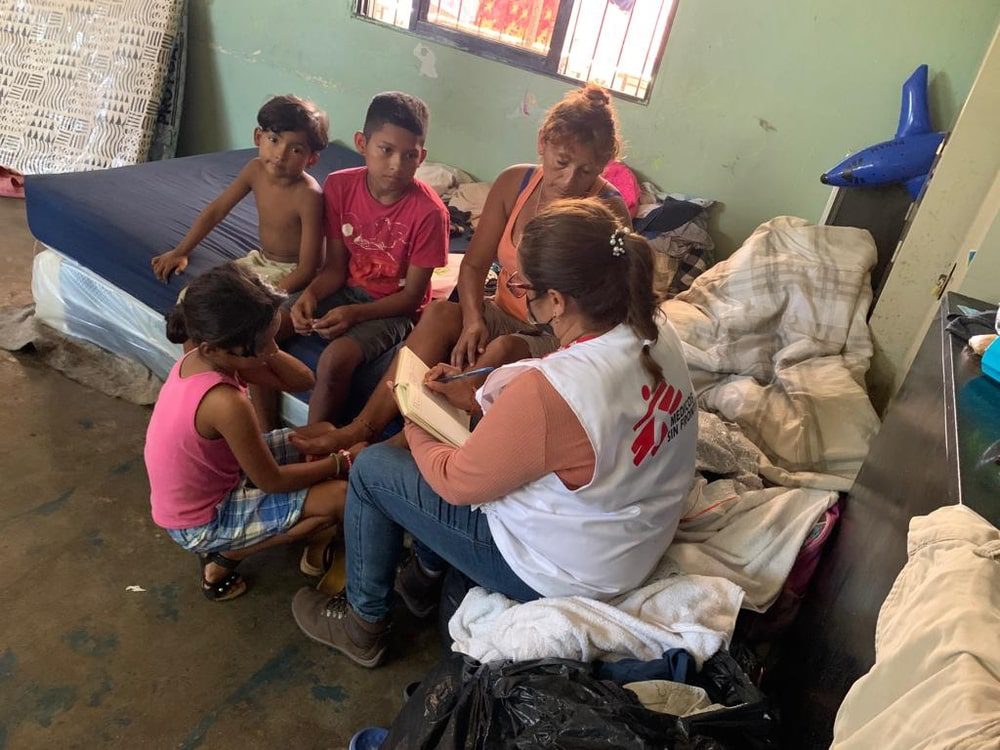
(257, 56)
(49, 702)
(526, 107)
(428, 63)
(45, 509)
(166, 597)
(125, 466)
(83, 642)
(8, 664)
(316, 80)
(280, 669)
(766, 126)
(98, 694)
(334, 693)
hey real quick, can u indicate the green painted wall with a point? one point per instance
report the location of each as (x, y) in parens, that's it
(754, 99)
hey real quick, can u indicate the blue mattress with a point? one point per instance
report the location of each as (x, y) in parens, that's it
(113, 221)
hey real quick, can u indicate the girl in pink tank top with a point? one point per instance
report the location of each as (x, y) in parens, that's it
(218, 486)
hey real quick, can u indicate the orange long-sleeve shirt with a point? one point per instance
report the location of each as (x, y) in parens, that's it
(529, 432)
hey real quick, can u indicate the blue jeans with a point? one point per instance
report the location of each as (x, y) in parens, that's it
(385, 496)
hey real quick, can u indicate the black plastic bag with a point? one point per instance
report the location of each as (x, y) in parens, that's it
(553, 703)
(725, 681)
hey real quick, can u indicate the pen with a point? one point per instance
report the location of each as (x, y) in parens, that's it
(468, 374)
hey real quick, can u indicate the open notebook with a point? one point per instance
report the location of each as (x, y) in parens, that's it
(431, 411)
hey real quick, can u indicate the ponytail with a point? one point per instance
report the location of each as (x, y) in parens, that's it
(642, 307)
(176, 328)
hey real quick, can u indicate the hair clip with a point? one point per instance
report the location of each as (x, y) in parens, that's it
(618, 242)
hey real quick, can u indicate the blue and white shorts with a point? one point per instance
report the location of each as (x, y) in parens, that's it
(248, 515)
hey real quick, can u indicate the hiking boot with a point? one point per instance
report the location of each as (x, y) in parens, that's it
(332, 622)
(419, 590)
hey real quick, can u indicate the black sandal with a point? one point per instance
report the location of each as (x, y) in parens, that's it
(229, 586)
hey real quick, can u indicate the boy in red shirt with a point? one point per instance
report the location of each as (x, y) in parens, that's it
(385, 234)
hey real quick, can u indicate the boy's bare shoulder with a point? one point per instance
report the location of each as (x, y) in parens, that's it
(252, 172)
(309, 184)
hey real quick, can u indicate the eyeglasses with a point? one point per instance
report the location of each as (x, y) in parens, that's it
(517, 286)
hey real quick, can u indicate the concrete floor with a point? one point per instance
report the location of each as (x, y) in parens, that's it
(85, 663)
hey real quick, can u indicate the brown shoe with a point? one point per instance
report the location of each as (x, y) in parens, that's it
(419, 591)
(332, 622)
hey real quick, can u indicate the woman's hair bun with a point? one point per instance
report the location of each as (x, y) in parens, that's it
(596, 94)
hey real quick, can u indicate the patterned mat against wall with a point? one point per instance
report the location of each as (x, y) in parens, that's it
(88, 84)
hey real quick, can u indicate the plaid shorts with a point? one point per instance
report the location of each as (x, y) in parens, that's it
(248, 515)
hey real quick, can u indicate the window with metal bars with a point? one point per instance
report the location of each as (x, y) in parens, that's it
(614, 43)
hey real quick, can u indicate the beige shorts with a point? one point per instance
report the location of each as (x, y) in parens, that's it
(499, 323)
(271, 271)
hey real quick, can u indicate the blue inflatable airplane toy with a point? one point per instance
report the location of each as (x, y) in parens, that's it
(907, 158)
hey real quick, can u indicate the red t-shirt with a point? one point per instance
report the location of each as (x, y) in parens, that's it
(383, 241)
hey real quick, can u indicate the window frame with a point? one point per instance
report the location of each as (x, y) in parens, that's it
(547, 65)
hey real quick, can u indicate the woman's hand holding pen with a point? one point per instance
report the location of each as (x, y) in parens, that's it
(460, 392)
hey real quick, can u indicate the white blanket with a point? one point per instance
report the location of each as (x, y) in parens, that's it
(777, 344)
(690, 612)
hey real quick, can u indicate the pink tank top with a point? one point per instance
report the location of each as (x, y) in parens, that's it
(188, 474)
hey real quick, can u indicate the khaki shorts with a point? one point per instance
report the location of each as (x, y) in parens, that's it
(499, 323)
(271, 271)
(374, 337)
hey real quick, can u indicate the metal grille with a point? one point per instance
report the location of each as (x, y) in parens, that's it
(614, 43)
(525, 24)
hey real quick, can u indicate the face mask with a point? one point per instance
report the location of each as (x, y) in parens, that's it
(531, 315)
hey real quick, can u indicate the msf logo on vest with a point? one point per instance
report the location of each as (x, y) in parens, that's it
(667, 411)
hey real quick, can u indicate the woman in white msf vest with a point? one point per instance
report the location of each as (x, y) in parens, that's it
(573, 481)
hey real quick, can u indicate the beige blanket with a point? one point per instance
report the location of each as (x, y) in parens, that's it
(776, 341)
(936, 680)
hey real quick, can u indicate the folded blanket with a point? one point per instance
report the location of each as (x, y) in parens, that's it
(751, 540)
(690, 612)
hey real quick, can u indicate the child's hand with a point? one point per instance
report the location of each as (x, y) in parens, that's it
(336, 322)
(166, 264)
(302, 313)
(355, 449)
(317, 439)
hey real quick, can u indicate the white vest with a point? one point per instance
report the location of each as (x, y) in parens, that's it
(604, 538)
